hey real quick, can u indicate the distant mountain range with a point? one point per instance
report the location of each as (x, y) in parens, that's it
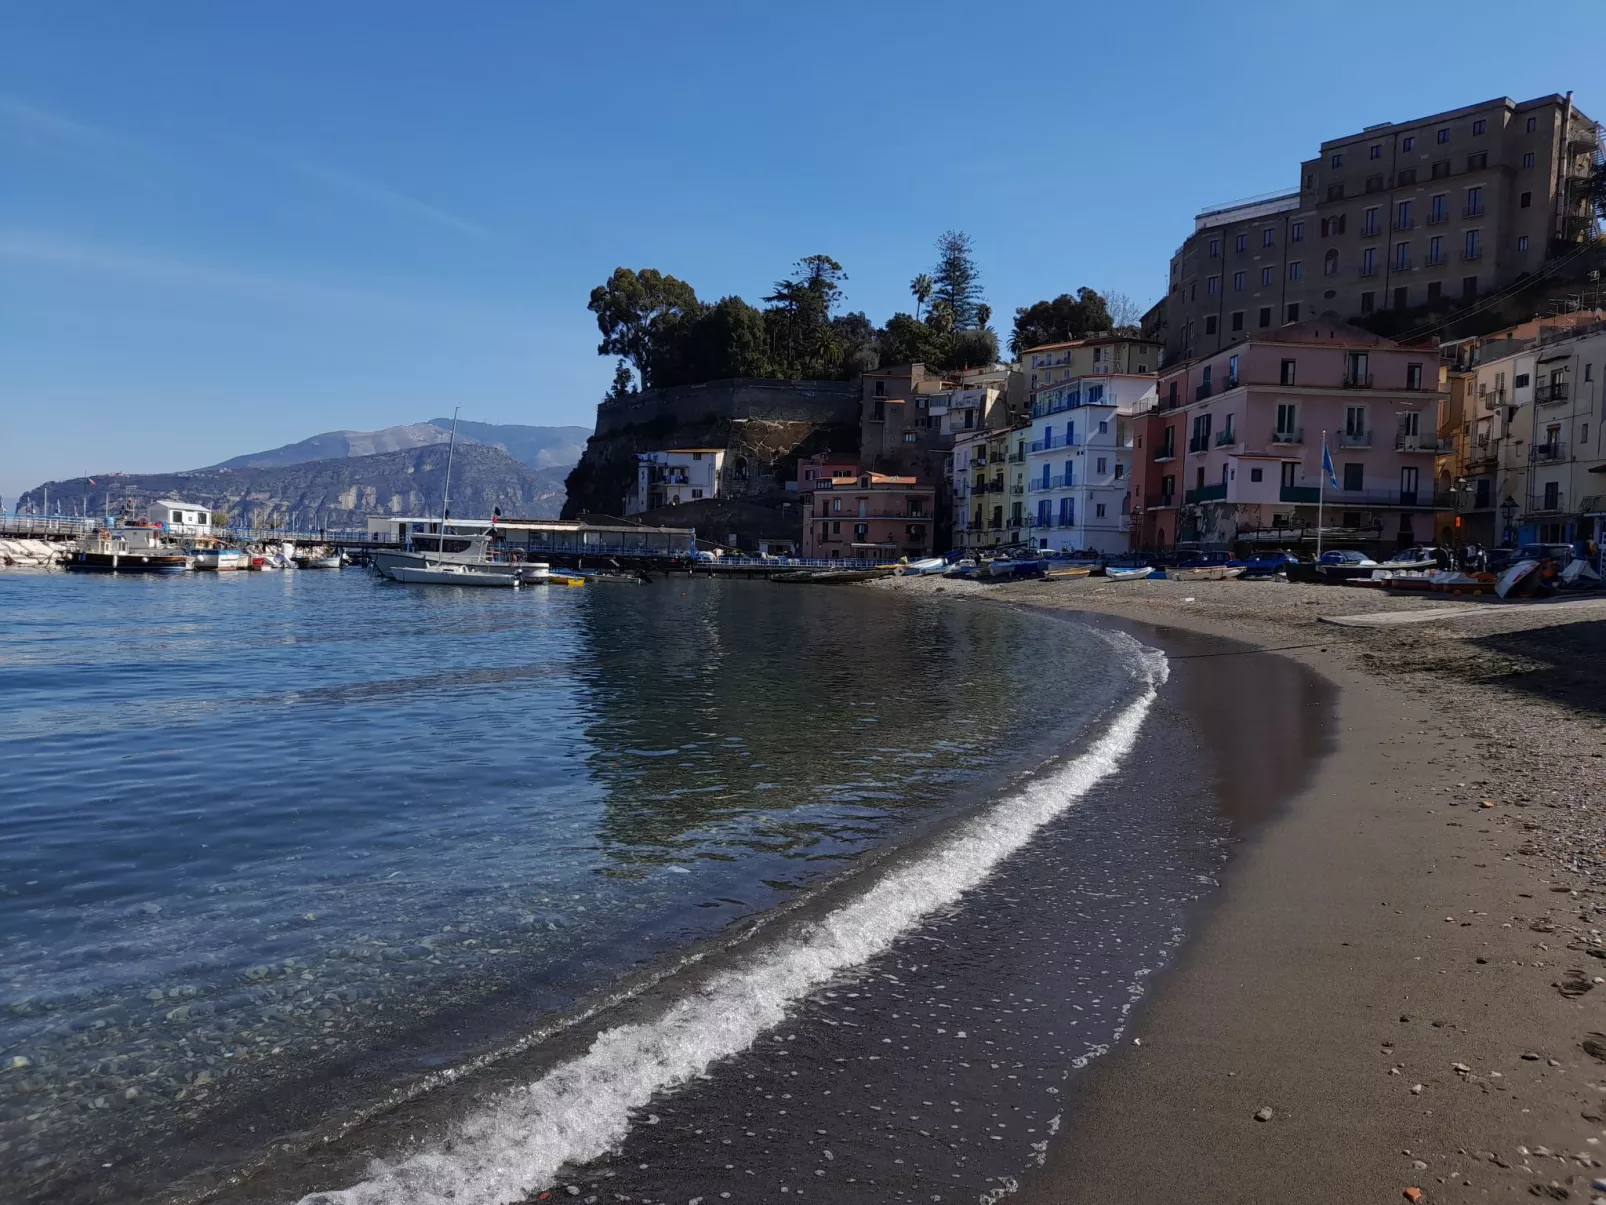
(538, 447)
(337, 492)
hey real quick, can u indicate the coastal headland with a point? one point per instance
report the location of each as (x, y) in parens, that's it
(1396, 987)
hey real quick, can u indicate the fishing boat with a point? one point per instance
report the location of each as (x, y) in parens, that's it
(221, 560)
(1056, 572)
(1206, 567)
(451, 575)
(320, 560)
(132, 549)
(930, 564)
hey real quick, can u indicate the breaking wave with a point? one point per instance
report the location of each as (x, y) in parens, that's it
(517, 1143)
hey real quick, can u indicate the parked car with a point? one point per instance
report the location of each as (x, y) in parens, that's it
(1344, 556)
(1264, 564)
(1562, 554)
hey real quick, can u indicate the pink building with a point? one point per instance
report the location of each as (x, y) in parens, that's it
(851, 514)
(1234, 448)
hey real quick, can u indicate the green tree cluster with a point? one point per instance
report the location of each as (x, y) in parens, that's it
(1064, 318)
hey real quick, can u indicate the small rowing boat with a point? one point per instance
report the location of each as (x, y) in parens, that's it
(1116, 574)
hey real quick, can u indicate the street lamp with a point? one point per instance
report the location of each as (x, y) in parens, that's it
(1508, 512)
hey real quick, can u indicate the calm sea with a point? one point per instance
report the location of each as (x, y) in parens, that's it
(266, 835)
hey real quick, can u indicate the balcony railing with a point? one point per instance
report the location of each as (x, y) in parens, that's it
(1166, 452)
(1201, 392)
(1159, 501)
(1038, 484)
(1554, 391)
(1438, 219)
(1423, 443)
(1472, 211)
(1354, 439)
(995, 458)
(1226, 438)
(1417, 499)
(1299, 493)
(1206, 493)
(1049, 443)
(1296, 436)
(1229, 383)
(1475, 253)
(1357, 380)
(1199, 443)
(1017, 457)
(1554, 450)
(1494, 399)
(1017, 489)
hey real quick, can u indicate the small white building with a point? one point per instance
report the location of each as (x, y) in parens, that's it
(675, 476)
(1079, 463)
(184, 518)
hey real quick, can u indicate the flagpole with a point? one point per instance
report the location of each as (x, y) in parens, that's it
(1321, 496)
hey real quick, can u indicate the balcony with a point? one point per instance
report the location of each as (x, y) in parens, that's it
(1371, 231)
(1354, 439)
(1407, 224)
(995, 458)
(1167, 452)
(1548, 394)
(1299, 493)
(1199, 443)
(1434, 261)
(1357, 380)
(979, 462)
(1368, 270)
(1038, 484)
(1472, 211)
(1438, 219)
(1423, 443)
(1494, 399)
(1475, 254)
(1296, 436)
(1159, 502)
(1201, 392)
(1017, 489)
(1229, 383)
(1017, 457)
(1547, 453)
(1227, 438)
(1206, 493)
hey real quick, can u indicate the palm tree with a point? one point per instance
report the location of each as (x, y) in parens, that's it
(921, 287)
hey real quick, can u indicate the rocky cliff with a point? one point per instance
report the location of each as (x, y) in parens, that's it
(334, 493)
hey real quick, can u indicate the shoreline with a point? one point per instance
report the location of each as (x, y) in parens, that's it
(1385, 955)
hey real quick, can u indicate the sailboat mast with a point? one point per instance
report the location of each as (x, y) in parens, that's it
(446, 494)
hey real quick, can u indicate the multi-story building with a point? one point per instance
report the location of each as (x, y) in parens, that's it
(1440, 208)
(1079, 462)
(1530, 463)
(1093, 355)
(988, 482)
(1234, 446)
(674, 476)
(866, 516)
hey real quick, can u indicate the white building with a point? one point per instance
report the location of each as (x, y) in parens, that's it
(1079, 462)
(183, 518)
(676, 476)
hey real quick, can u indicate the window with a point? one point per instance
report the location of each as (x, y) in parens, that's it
(1436, 249)
(1287, 414)
(1413, 376)
(1473, 245)
(1443, 137)
(1212, 287)
(1375, 151)
(1437, 207)
(1408, 143)
(1240, 243)
(1522, 242)
(1098, 509)
(1287, 377)
(1237, 320)
(1369, 221)
(696, 455)
(1369, 261)
(1268, 237)
(1256, 474)
(1294, 270)
(1403, 218)
(1103, 465)
(1210, 324)
(1441, 168)
(1469, 286)
(1478, 126)
(1525, 200)
(1296, 232)
(1237, 282)
(1402, 257)
(1232, 377)
(881, 389)
(1335, 192)
(1354, 478)
(1330, 264)
(1476, 163)
(1533, 124)
(1215, 248)
(1589, 372)
(836, 506)
(1401, 296)
(1354, 421)
(1528, 159)
(696, 493)
(1289, 471)
(1474, 201)
(1435, 290)
(1267, 275)
(836, 528)
(1374, 184)
(1368, 302)
(1193, 291)
(1265, 315)
(1338, 160)
(1520, 381)
(1552, 495)
(909, 437)
(1406, 177)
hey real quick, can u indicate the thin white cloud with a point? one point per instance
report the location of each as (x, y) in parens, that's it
(383, 300)
(31, 125)
(389, 198)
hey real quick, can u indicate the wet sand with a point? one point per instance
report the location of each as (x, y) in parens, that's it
(1403, 976)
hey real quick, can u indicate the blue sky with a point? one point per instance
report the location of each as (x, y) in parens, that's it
(225, 227)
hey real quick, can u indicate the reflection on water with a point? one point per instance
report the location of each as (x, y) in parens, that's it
(253, 823)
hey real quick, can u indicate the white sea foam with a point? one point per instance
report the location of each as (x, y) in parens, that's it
(515, 1144)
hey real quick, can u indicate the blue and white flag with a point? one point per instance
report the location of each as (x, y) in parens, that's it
(1327, 466)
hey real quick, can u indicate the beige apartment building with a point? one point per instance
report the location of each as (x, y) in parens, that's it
(1439, 209)
(1095, 355)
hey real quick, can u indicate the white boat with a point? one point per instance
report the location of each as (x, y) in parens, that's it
(930, 564)
(1127, 575)
(450, 575)
(1205, 573)
(222, 560)
(319, 562)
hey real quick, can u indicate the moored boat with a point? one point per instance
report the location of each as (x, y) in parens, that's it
(127, 562)
(451, 575)
(221, 560)
(1117, 573)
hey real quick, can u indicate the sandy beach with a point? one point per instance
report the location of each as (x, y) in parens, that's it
(1394, 992)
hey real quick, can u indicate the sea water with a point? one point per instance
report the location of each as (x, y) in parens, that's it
(269, 834)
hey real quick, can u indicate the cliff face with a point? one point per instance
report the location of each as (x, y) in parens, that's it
(336, 493)
(764, 426)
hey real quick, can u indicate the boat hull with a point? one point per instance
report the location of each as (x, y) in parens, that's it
(446, 577)
(127, 562)
(1209, 573)
(222, 560)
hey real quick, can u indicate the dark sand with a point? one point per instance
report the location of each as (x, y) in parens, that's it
(1404, 977)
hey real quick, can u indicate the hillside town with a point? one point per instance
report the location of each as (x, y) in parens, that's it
(1422, 312)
